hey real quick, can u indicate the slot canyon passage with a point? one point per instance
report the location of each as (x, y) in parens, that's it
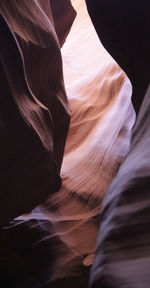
(102, 117)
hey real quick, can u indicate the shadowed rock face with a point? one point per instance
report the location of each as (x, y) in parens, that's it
(63, 16)
(29, 166)
(123, 28)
